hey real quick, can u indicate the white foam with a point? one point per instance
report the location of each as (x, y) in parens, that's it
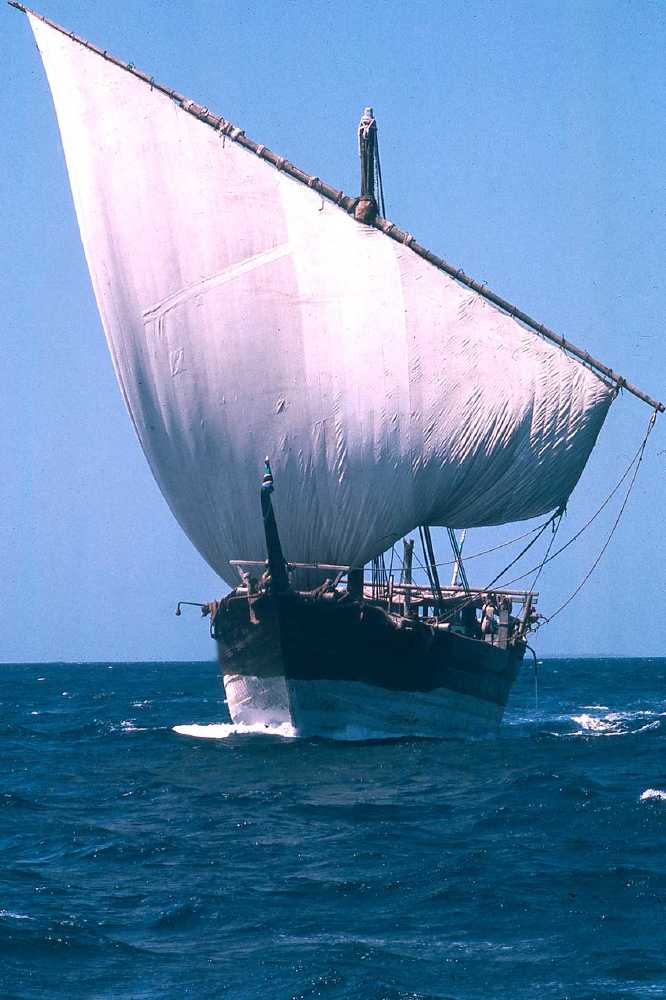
(221, 730)
(653, 793)
(15, 916)
(592, 723)
(127, 726)
(614, 723)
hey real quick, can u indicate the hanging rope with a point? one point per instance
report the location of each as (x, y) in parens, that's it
(489, 587)
(390, 572)
(484, 552)
(536, 677)
(495, 548)
(378, 178)
(421, 566)
(553, 536)
(596, 562)
(638, 458)
(429, 557)
(430, 566)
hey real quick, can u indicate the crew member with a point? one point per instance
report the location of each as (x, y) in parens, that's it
(488, 624)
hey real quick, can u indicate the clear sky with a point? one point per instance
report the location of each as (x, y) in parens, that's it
(524, 142)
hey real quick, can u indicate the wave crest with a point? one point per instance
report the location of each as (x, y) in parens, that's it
(653, 793)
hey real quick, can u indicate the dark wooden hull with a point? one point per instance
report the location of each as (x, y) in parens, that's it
(328, 666)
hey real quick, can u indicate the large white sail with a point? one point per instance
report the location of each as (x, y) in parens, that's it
(247, 316)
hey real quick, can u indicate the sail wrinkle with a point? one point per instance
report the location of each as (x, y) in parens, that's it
(247, 316)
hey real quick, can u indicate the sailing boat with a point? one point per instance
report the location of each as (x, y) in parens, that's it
(253, 310)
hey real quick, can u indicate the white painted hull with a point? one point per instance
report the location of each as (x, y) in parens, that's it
(354, 709)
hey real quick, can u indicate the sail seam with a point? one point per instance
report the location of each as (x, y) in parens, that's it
(158, 311)
(228, 129)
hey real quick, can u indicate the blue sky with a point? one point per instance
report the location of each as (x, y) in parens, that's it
(524, 142)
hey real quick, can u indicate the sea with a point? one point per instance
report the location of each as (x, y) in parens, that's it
(149, 849)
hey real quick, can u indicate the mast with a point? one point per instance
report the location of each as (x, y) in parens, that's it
(367, 144)
(358, 205)
(430, 563)
(406, 574)
(367, 208)
(458, 567)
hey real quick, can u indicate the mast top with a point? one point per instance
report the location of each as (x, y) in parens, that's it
(367, 209)
(350, 205)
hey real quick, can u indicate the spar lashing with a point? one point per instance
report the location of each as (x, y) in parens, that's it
(277, 564)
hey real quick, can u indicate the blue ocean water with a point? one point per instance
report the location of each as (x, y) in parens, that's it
(138, 862)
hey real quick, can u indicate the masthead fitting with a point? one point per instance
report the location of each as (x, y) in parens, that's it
(372, 196)
(367, 147)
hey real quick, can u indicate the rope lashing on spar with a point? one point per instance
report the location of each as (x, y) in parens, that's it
(536, 677)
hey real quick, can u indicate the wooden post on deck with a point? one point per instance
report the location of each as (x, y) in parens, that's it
(503, 628)
(407, 554)
(389, 595)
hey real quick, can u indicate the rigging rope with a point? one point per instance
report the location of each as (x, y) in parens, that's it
(556, 528)
(390, 572)
(596, 562)
(495, 548)
(638, 458)
(378, 178)
(431, 567)
(429, 556)
(421, 566)
(427, 567)
(459, 567)
(551, 519)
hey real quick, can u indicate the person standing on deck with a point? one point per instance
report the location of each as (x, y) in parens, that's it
(488, 624)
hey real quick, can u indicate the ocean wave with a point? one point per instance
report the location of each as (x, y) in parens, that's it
(653, 793)
(12, 800)
(128, 726)
(615, 723)
(177, 916)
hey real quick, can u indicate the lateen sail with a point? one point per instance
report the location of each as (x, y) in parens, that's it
(247, 316)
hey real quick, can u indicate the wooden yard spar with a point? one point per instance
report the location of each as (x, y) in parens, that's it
(236, 134)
